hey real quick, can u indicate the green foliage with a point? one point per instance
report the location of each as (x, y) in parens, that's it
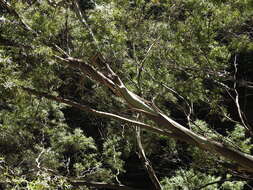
(202, 127)
(237, 136)
(112, 154)
(154, 46)
(237, 185)
(189, 180)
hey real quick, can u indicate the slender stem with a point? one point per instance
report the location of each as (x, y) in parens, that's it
(146, 162)
(96, 112)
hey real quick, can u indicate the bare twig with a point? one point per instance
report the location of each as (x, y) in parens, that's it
(84, 22)
(190, 109)
(237, 98)
(146, 162)
(140, 69)
(38, 158)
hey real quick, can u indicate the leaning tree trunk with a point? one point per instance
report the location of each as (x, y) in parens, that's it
(167, 126)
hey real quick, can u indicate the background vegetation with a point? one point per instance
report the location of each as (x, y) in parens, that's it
(192, 59)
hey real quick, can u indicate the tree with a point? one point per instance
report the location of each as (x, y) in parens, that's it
(143, 59)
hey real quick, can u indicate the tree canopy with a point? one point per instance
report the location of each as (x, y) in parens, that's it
(145, 94)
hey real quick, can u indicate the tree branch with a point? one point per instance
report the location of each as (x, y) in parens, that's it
(96, 112)
(82, 19)
(101, 185)
(240, 113)
(146, 162)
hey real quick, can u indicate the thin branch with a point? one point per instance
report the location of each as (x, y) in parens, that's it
(174, 92)
(82, 19)
(146, 162)
(143, 61)
(27, 28)
(38, 158)
(113, 82)
(237, 98)
(96, 112)
(101, 185)
(88, 70)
